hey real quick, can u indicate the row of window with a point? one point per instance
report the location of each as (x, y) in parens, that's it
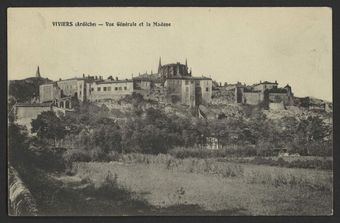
(187, 89)
(110, 89)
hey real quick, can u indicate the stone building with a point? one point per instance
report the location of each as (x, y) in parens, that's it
(264, 92)
(74, 87)
(266, 85)
(49, 92)
(172, 84)
(173, 70)
(109, 89)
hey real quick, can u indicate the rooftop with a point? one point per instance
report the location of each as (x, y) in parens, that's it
(265, 82)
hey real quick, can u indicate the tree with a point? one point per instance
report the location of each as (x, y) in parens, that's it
(17, 144)
(48, 126)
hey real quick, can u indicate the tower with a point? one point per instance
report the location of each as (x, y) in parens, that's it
(159, 65)
(37, 74)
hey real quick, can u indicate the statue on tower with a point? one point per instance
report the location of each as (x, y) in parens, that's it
(37, 74)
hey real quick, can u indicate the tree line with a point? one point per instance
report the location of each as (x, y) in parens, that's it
(97, 136)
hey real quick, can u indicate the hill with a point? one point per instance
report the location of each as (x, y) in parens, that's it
(27, 89)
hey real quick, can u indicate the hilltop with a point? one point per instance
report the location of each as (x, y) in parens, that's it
(26, 90)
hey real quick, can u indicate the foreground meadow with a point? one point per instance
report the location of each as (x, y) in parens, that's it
(221, 187)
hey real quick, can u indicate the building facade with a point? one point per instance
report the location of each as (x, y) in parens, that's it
(172, 84)
(110, 89)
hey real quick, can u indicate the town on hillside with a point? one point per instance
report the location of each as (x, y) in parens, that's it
(173, 84)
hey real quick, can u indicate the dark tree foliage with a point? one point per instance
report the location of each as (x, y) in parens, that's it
(25, 90)
(155, 132)
(17, 144)
(48, 126)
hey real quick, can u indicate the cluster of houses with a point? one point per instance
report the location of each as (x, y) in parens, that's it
(172, 84)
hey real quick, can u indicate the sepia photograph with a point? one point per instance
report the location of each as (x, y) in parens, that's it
(170, 111)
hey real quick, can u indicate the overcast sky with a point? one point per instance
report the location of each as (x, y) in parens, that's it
(290, 45)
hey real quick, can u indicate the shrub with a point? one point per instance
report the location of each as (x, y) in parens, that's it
(320, 148)
(277, 177)
(182, 153)
(73, 155)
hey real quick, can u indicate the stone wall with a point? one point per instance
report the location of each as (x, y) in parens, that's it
(206, 88)
(276, 106)
(252, 98)
(223, 96)
(25, 114)
(279, 97)
(188, 92)
(20, 200)
(49, 92)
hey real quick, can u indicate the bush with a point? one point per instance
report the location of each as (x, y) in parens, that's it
(182, 152)
(266, 149)
(320, 148)
(76, 155)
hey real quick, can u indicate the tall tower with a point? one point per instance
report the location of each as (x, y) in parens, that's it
(159, 65)
(37, 74)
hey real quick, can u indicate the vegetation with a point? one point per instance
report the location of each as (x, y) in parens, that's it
(167, 145)
(97, 136)
(259, 190)
(27, 89)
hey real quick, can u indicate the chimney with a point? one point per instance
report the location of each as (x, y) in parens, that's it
(116, 78)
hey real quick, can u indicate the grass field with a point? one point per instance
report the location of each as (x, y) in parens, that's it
(215, 187)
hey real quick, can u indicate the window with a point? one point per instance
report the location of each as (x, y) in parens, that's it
(116, 89)
(206, 89)
(98, 88)
(104, 88)
(125, 88)
(92, 89)
(109, 88)
(120, 88)
(186, 82)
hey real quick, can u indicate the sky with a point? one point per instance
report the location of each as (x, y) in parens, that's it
(290, 45)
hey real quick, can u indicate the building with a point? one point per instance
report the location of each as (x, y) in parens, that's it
(49, 92)
(173, 70)
(109, 89)
(172, 84)
(24, 113)
(264, 92)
